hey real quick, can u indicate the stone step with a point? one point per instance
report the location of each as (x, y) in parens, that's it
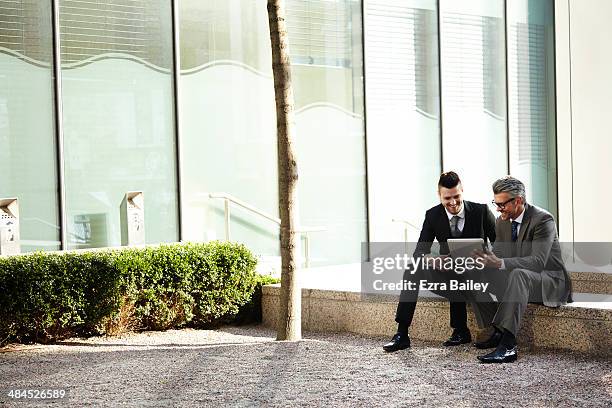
(592, 282)
(579, 326)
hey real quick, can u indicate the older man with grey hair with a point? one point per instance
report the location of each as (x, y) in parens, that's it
(525, 267)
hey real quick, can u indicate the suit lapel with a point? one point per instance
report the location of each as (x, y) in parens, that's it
(443, 224)
(524, 226)
(505, 239)
(467, 223)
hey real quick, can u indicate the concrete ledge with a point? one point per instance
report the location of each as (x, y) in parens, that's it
(577, 327)
(592, 282)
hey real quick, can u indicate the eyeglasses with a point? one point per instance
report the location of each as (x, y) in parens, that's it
(501, 206)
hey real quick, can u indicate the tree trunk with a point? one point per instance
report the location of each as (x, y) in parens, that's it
(290, 319)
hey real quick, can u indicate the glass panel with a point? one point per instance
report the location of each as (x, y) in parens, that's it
(326, 52)
(27, 141)
(403, 114)
(473, 93)
(118, 117)
(229, 129)
(531, 83)
(228, 121)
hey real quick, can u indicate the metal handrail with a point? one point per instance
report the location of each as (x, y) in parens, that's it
(406, 225)
(49, 224)
(228, 198)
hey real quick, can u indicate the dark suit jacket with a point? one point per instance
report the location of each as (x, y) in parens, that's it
(479, 223)
(537, 249)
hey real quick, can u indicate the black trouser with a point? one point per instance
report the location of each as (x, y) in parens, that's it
(408, 298)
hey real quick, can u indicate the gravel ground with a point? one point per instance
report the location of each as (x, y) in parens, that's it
(244, 366)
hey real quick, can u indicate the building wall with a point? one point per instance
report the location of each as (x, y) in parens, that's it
(443, 92)
(462, 85)
(584, 88)
(228, 126)
(116, 114)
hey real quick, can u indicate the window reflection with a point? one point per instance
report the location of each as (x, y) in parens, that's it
(531, 79)
(474, 93)
(27, 136)
(118, 118)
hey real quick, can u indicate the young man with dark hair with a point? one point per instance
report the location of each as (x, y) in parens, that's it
(449, 180)
(452, 218)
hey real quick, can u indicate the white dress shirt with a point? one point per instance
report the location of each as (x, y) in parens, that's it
(519, 219)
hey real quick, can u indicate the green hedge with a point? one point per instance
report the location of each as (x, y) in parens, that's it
(48, 296)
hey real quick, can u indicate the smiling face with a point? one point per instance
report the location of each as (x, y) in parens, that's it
(508, 207)
(452, 198)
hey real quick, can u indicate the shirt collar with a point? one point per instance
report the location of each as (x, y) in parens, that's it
(460, 215)
(519, 219)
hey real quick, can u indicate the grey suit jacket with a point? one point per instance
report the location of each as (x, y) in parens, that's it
(537, 249)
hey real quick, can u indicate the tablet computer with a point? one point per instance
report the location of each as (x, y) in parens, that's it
(463, 247)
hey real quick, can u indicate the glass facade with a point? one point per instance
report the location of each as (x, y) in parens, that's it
(531, 89)
(28, 166)
(403, 105)
(118, 123)
(325, 41)
(468, 86)
(228, 121)
(474, 93)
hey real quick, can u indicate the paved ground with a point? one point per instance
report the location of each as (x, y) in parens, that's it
(246, 367)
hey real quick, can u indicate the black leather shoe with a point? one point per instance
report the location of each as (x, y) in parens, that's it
(459, 336)
(398, 342)
(502, 354)
(491, 342)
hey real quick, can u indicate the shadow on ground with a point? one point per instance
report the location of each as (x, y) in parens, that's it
(244, 366)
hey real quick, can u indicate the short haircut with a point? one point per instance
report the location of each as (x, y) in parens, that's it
(509, 185)
(449, 179)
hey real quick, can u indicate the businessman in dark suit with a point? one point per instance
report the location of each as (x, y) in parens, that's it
(526, 266)
(452, 218)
